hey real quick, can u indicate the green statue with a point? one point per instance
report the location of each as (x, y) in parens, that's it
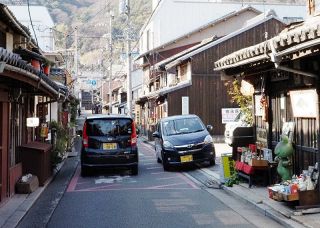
(284, 151)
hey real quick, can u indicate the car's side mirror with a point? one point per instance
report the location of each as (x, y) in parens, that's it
(209, 128)
(79, 133)
(155, 134)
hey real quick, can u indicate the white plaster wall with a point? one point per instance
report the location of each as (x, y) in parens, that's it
(221, 29)
(9, 40)
(54, 111)
(174, 18)
(42, 23)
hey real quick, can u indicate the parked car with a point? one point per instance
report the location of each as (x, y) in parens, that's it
(183, 139)
(109, 141)
(238, 132)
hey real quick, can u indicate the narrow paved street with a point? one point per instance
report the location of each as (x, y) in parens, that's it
(154, 198)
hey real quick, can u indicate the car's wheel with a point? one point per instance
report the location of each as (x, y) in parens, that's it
(212, 162)
(165, 164)
(85, 171)
(134, 170)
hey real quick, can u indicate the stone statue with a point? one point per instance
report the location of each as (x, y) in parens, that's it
(284, 151)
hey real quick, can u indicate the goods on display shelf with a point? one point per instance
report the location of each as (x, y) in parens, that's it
(300, 187)
(252, 157)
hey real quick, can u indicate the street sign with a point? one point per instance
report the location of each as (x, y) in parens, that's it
(93, 82)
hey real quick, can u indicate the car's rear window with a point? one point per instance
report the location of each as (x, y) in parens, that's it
(109, 127)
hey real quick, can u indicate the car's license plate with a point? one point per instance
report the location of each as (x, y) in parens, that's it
(109, 146)
(186, 158)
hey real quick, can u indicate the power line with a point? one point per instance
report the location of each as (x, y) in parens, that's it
(149, 19)
(32, 23)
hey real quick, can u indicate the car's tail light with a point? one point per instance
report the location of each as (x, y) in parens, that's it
(85, 136)
(133, 134)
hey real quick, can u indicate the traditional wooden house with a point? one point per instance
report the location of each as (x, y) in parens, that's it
(284, 70)
(191, 83)
(154, 77)
(23, 86)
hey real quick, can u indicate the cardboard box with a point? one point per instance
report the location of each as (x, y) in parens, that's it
(27, 187)
(290, 197)
(309, 197)
(255, 162)
(277, 196)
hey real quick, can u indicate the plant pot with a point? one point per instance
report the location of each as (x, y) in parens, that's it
(46, 70)
(36, 64)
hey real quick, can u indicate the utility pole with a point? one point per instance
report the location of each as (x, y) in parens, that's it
(110, 61)
(76, 53)
(129, 79)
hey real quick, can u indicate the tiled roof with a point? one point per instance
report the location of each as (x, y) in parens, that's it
(270, 15)
(8, 17)
(291, 40)
(15, 60)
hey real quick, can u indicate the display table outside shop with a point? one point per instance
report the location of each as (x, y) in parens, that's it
(249, 172)
(36, 159)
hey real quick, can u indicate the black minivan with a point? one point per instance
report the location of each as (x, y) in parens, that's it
(183, 139)
(109, 141)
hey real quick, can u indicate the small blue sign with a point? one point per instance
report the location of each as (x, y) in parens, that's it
(93, 82)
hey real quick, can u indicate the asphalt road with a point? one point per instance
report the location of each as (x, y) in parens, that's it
(154, 198)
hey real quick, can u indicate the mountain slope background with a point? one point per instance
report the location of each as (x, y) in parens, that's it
(91, 18)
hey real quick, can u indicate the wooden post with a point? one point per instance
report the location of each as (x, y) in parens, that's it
(311, 5)
(318, 128)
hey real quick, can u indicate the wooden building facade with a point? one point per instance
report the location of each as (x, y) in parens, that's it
(21, 83)
(207, 93)
(284, 69)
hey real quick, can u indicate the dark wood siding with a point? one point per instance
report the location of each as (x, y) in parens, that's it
(2, 39)
(203, 100)
(203, 63)
(4, 150)
(305, 129)
(208, 94)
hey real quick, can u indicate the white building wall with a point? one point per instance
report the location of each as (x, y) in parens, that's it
(54, 111)
(9, 40)
(42, 23)
(174, 18)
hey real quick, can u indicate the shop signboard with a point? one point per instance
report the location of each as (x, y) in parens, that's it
(227, 167)
(288, 130)
(229, 114)
(44, 130)
(304, 103)
(262, 137)
(185, 105)
(257, 104)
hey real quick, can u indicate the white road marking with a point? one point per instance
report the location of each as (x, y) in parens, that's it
(113, 179)
(154, 168)
(166, 178)
(147, 160)
(157, 173)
